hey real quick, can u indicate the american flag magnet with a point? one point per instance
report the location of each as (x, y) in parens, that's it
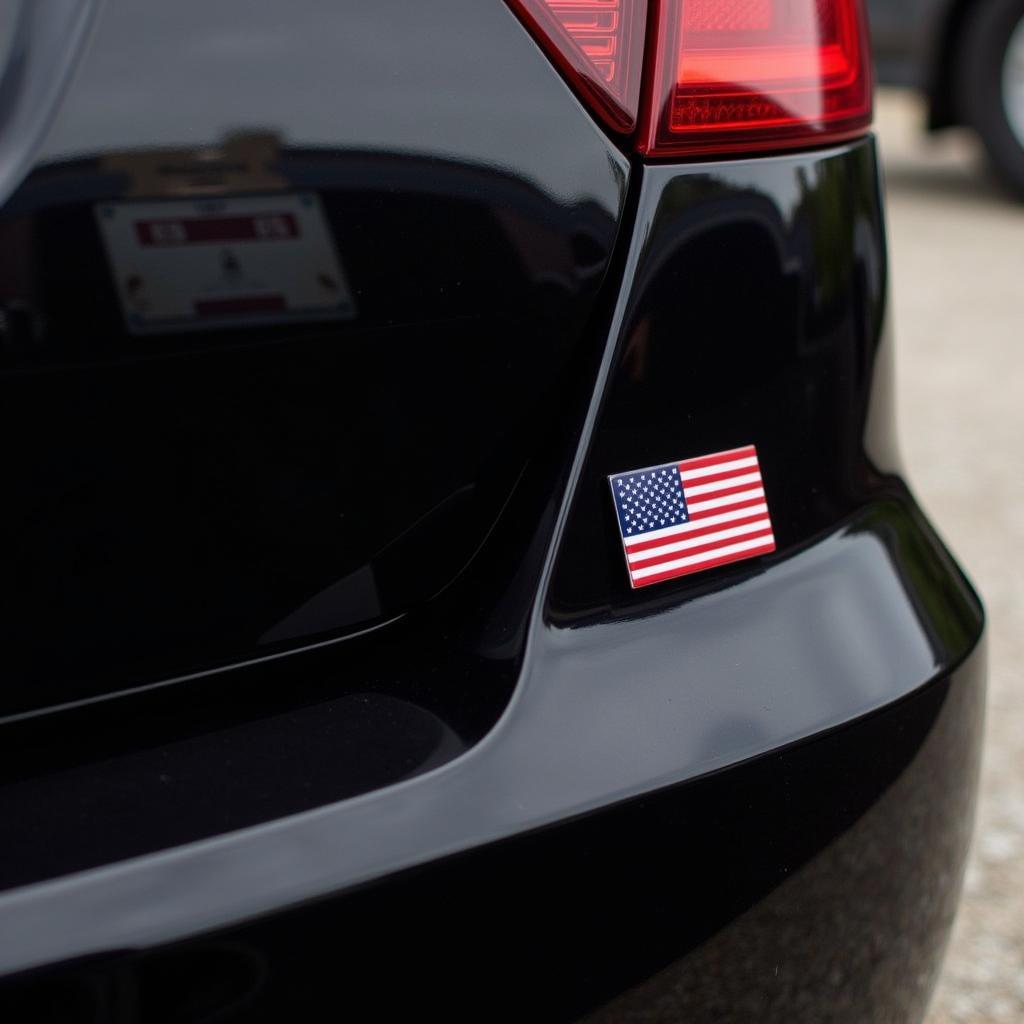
(689, 516)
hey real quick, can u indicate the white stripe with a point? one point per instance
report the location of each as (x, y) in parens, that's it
(729, 499)
(720, 485)
(718, 467)
(707, 556)
(721, 517)
(707, 538)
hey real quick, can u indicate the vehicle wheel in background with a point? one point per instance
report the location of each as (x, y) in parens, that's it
(990, 82)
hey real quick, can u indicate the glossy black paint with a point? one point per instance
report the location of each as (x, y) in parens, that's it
(755, 316)
(745, 793)
(774, 892)
(224, 750)
(182, 499)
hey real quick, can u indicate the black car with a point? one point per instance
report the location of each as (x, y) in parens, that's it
(967, 58)
(456, 560)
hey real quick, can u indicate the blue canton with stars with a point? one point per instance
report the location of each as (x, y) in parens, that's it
(649, 499)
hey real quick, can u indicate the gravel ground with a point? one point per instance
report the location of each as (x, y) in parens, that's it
(957, 250)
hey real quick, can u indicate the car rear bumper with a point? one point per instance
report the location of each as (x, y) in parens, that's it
(824, 873)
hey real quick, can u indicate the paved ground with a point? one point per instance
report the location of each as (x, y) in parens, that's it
(957, 246)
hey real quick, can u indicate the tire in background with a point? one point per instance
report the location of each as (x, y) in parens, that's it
(984, 84)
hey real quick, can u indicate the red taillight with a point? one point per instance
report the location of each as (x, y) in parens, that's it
(721, 76)
(755, 74)
(599, 46)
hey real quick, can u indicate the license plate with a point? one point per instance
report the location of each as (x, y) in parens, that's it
(204, 264)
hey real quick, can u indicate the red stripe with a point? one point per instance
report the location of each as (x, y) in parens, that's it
(699, 549)
(645, 545)
(750, 502)
(715, 477)
(725, 492)
(711, 460)
(701, 566)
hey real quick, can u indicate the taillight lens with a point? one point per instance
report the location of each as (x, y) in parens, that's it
(599, 46)
(721, 76)
(732, 75)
